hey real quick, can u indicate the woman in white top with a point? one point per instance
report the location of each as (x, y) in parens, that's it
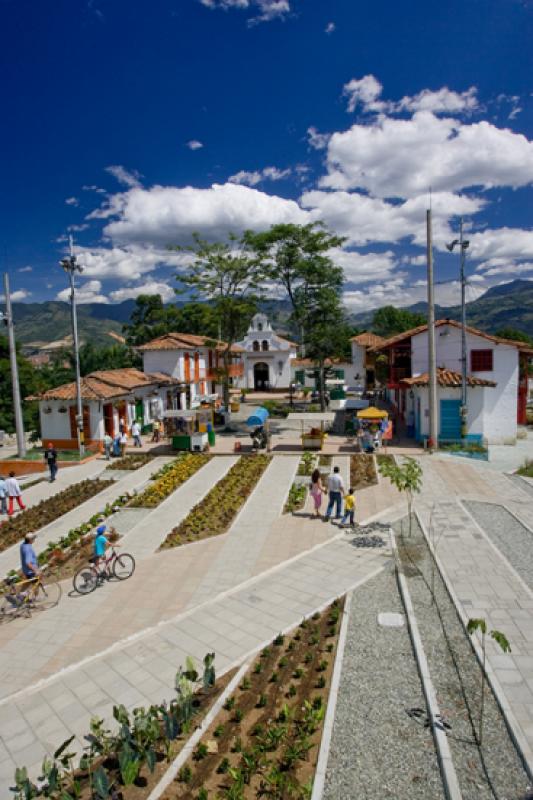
(13, 492)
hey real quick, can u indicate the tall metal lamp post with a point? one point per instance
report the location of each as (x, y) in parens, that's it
(463, 247)
(71, 266)
(7, 318)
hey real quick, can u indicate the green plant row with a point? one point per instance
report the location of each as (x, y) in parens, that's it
(169, 478)
(296, 499)
(215, 513)
(49, 510)
(132, 461)
(307, 464)
(115, 760)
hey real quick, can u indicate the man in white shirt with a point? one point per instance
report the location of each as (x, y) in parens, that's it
(336, 491)
(136, 433)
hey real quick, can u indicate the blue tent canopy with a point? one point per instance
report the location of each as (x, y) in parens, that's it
(258, 418)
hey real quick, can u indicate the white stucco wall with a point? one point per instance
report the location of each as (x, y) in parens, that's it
(358, 363)
(492, 412)
(56, 425)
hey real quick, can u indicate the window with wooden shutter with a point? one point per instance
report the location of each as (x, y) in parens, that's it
(481, 360)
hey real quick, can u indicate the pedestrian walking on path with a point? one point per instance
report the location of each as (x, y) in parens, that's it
(108, 444)
(336, 490)
(3, 496)
(50, 456)
(123, 444)
(349, 508)
(136, 433)
(317, 490)
(13, 491)
(156, 427)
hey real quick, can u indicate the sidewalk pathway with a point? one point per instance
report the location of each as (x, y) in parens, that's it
(66, 476)
(142, 671)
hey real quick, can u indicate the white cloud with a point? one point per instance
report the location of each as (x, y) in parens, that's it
(77, 228)
(363, 267)
(504, 244)
(93, 188)
(87, 293)
(509, 268)
(318, 141)
(25, 269)
(128, 263)
(72, 201)
(404, 157)
(194, 144)
(128, 178)
(266, 174)
(397, 291)
(169, 215)
(330, 27)
(16, 296)
(363, 92)
(365, 219)
(267, 9)
(150, 287)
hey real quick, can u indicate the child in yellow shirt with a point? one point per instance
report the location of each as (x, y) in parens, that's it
(349, 508)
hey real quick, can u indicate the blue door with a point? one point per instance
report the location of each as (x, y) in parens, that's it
(450, 419)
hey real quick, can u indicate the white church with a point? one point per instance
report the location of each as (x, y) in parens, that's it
(267, 357)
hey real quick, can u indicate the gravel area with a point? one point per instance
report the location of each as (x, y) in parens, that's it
(496, 772)
(513, 540)
(377, 749)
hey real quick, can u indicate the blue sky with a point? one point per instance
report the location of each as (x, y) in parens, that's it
(132, 124)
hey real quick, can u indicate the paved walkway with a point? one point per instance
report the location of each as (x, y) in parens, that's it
(10, 559)
(65, 478)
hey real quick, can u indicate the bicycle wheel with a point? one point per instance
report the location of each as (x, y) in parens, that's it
(9, 611)
(85, 580)
(47, 595)
(123, 566)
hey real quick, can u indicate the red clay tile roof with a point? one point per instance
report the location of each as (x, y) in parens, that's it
(307, 362)
(185, 341)
(446, 377)
(368, 339)
(400, 337)
(106, 384)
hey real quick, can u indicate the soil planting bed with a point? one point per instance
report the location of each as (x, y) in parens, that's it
(296, 499)
(49, 510)
(217, 510)
(169, 478)
(265, 741)
(362, 471)
(493, 770)
(133, 461)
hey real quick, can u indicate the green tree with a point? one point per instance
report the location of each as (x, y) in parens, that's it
(407, 477)
(513, 333)
(151, 318)
(229, 277)
(30, 383)
(388, 321)
(325, 332)
(116, 356)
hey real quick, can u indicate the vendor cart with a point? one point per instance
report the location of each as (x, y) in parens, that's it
(191, 429)
(315, 426)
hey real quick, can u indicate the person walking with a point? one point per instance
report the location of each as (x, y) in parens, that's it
(336, 490)
(13, 491)
(50, 456)
(3, 496)
(108, 443)
(156, 428)
(121, 426)
(123, 443)
(317, 490)
(136, 433)
(349, 508)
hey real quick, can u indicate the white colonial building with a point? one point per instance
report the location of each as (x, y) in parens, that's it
(496, 382)
(267, 357)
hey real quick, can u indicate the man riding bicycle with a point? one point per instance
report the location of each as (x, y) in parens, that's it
(28, 557)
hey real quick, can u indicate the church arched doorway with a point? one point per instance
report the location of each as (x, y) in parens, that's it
(261, 376)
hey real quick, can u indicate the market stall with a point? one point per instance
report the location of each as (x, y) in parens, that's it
(190, 430)
(372, 424)
(315, 427)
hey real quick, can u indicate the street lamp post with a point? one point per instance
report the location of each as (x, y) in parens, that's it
(71, 266)
(463, 247)
(17, 408)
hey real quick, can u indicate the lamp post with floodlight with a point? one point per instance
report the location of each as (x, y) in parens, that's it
(463, 247)
(71, 266)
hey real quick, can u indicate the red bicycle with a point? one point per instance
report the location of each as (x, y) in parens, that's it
(115, 565)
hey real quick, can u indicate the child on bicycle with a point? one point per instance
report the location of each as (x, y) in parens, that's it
(101, 543)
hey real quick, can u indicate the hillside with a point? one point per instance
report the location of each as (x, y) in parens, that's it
(508, 305)
(50, 321)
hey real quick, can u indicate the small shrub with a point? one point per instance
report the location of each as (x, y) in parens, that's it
(262, 701)
(291, 690)
(308, 658)
(317, 703)
(274, 677)
(238, 715)
(219, 730)
(237, 745)
(314, 640)
(278, 641)
(185, 774)
(297, 636)
(258, 668)
(290, 646)
(322, 667)
(298, 673)
(223, 766)
(321, 683)
(330, 647)
(246, 684)
(265, 653)
(228, 705)
(202, 794)
(316, 615)
(201, 752)
(258, 730)
(282, 662)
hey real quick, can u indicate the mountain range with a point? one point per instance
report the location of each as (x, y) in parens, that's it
(507, 305)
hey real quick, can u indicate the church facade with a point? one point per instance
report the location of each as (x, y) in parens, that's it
(267, 357)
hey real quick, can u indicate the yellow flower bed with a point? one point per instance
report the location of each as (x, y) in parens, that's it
(169, 478)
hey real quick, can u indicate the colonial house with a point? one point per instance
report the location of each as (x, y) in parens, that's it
(496, 382)
(107, 397)
(194, 362)
(364, 360)
(304, 372)
(267, 357)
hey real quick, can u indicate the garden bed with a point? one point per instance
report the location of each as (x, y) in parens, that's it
(127, 763)
(47, 511)
(362, 471)
(131, 462)
(217, 510)
(265, 740)
(383, 458)
(296, 499)
(169, 478)
(307, 464)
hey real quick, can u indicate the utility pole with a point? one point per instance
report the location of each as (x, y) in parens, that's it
(463, 247)
(432, 363)
(17, 408)
(71, 266)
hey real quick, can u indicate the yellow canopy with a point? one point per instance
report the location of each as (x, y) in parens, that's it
(371, 413)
